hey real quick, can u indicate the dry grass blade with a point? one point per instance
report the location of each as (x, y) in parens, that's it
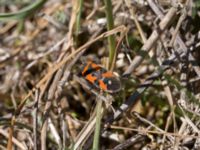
(151, 40)
(14, 140)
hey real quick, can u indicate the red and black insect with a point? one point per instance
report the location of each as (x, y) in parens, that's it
(100, 77)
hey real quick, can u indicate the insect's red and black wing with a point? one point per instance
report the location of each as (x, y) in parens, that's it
(101, 78)
(111, 83)
(89, 68)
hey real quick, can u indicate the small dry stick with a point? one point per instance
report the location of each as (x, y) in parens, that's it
(35, 123)
(151, 41)
(14, 140)
(178, 40)
(131, 141)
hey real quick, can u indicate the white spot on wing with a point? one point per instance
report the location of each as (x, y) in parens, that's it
(109, 82)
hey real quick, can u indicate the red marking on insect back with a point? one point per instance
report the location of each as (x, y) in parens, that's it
(93, 65)
(91, 78)
(86, 68)
(102, 85)
(107, 74)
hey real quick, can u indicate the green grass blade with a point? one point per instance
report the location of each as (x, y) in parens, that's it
(110, 26)
(98, 125)
(23, 13)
